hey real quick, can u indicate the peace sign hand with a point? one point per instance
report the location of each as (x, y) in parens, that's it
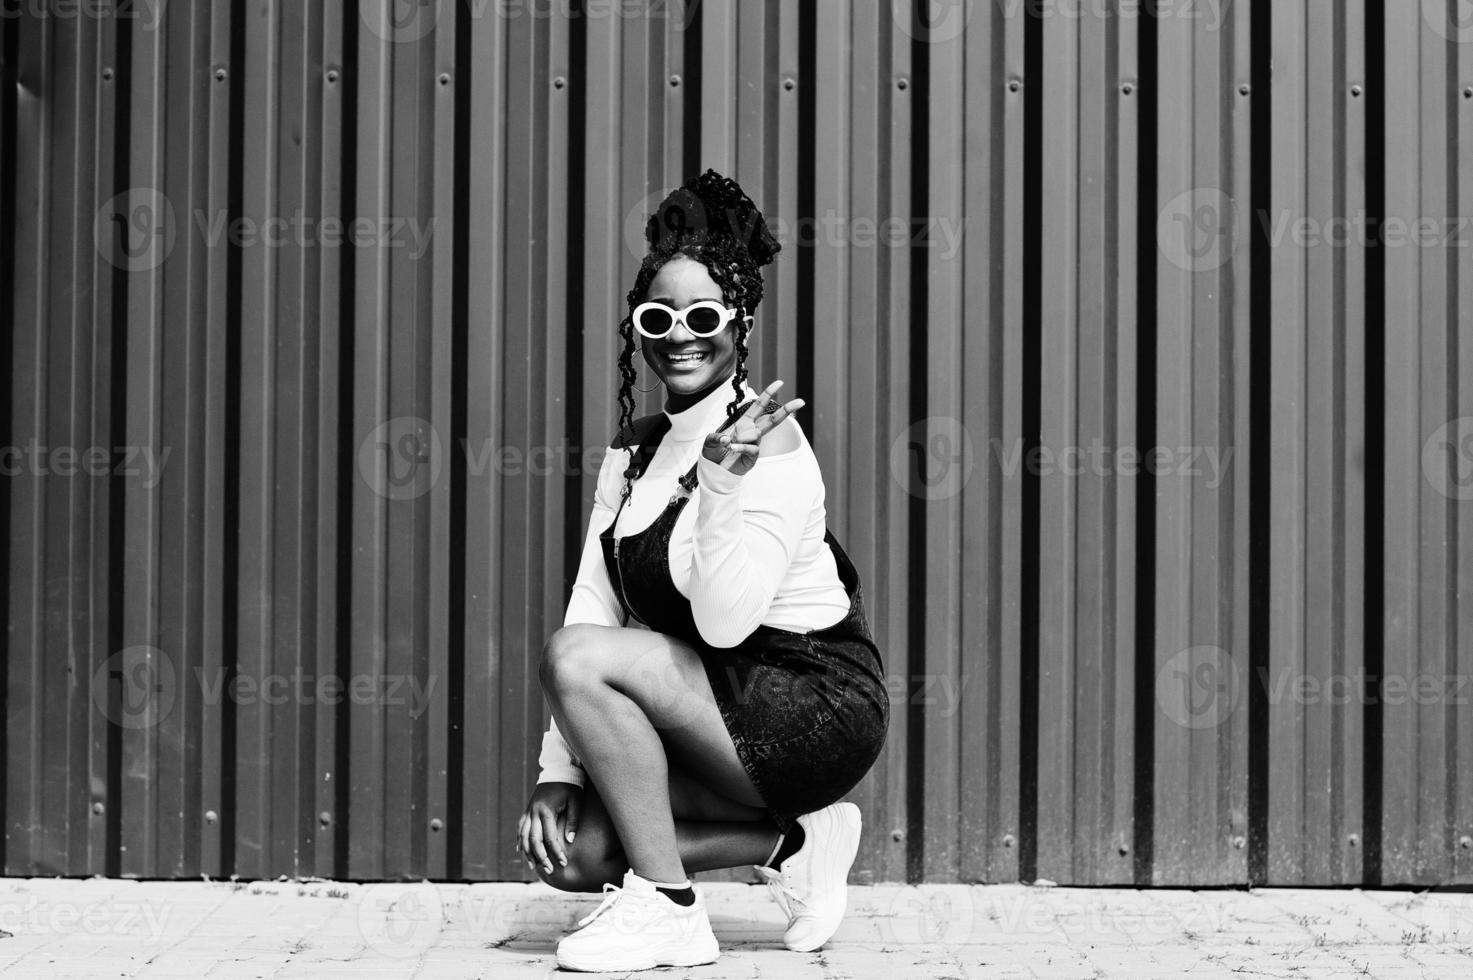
(738, 447)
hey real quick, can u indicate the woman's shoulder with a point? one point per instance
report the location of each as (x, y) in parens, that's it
(637, 431)
(786, 438)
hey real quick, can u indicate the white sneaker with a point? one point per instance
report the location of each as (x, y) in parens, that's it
(812, 884)
(638, 928)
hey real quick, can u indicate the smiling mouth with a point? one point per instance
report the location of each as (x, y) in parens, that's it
(685, 358)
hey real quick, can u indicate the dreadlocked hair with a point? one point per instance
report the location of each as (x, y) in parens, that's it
(710, 220)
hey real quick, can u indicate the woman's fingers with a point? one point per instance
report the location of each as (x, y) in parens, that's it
(741, 442)
(766, 423)
(553, 838)
(539, 853)
(573, 814)
(764, 400)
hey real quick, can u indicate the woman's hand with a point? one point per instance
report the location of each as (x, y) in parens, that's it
(739, 446)
(537, 830)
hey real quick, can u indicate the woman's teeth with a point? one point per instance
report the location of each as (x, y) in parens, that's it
(686, 358)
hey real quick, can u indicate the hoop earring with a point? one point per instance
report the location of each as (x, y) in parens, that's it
(646, 390)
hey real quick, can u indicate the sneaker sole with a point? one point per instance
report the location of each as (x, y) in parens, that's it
(648, 962)
(849, 826)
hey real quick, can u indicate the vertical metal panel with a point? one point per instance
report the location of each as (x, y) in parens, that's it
(185, 35)
(1461, 839)
(939, 823)
(1200, 758)
(141, 775)
(372, 319)
(1419, 818)
(1317, 450)
(368, 443)
(488, 796)
(1087, 595)
(325, 816)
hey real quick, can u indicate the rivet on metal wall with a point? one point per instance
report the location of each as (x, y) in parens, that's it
(437, 825)
(211, 816)
(897, 835)
(1465, 842)
(1468, 92)
(332, 76)
(107, 74)
(1356, 91)
(1128, 88)
(559, 82)
(445, 78)
(902, 84)
(221, 74)
(1353, 840)
(324, 818)
(1014, 85)
(1240, 842)
(98, 808)
(1245, 89)
(1008, 840)
(1123, 849)
(789, 84)
(675, 81)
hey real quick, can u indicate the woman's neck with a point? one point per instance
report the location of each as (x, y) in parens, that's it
(677, 402)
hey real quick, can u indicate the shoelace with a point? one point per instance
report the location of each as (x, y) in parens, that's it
(792, 904)
(611, 895)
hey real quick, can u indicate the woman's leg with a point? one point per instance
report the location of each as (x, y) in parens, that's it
(711, 832)
(621, 697)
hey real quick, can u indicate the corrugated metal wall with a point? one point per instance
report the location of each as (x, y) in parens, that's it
(309, 313)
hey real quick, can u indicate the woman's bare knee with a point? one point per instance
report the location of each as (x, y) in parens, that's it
(569, 658)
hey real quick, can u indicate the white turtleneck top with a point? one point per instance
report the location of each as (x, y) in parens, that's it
(745, 551)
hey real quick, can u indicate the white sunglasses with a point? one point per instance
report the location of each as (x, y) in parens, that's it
(704, 319)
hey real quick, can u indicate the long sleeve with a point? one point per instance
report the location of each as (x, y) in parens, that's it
(592, 601)
(747, 531)
(557, 762)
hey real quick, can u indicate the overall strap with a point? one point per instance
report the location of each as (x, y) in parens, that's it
(690, 474)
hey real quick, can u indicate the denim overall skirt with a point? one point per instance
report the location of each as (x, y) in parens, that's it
(807, 712)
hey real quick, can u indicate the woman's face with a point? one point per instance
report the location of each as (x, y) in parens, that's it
(679, 283)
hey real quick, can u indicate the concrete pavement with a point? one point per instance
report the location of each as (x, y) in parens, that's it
(316, 929)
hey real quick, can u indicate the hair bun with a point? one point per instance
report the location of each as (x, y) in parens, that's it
(707, 207)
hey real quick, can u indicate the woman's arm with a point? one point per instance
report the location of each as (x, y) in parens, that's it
(747, 532)
(592, 601)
